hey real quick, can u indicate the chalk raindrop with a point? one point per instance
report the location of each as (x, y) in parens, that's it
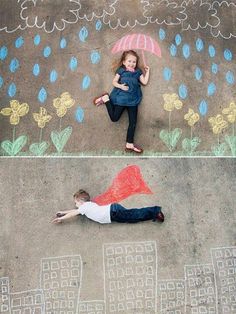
(211, 89)
(86, 82)
(183, 91)
(83, 34)
(73, 63)
(178, 39)
(230, 77)
(53, 76)
(173, 50)
(1, 82)
(47, 51)
(42, 95)
(12, 90)
(214, 68)
(37, 39)
(79, 114)
(36, 69)
(199, 45)
(211, 51)
(19, 42)
(167, 74)
(98, 25)
(198, 73)
(203, 107)
(63, 43)
(95, 57)
(228, 55)
(3, 53)
(186, 51)
(162, 34)
(14, 65)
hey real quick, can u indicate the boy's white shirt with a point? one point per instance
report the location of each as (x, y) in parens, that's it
(95, 212)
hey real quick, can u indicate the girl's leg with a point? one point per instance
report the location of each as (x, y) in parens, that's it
(132, 112)
(114, 111)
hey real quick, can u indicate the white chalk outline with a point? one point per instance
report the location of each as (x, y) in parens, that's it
(219, 32)
(155, 262)
(213, 272)
(212, 259)
(8, 291)
(136, 22)
(77, 298)
(185, 2)
(95, 15)
(39, 291)
(15, 29)
(164, 22)
(44, 23)
(91, 301)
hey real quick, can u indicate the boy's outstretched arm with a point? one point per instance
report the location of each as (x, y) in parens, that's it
(68, 214)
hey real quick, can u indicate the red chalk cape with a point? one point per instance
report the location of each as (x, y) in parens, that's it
(128, 181)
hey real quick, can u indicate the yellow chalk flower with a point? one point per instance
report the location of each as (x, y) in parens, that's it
(218, 123)
(172, 102)
(42, 117)
(62, 103)
(230, 112)
(191, 117)
(15, 111)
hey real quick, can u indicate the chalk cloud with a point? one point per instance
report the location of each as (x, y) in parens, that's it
(50, 15)
(90, 9)
(10, 16)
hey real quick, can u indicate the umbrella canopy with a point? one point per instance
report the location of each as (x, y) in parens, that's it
(137, 41)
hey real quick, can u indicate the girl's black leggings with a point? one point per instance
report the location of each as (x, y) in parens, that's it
(115, 113)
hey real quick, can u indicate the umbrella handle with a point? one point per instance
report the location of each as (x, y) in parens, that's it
(143, 56)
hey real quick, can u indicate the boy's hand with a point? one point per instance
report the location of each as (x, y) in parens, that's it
(57, 220)
(60, 214)
(124, 87)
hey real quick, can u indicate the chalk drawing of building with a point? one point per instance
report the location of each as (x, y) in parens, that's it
(4, 296)
(224, 262)
(200, 289)
(60, 279)
(130, 271)
(28, 302)
(92, 307)
(171, 296)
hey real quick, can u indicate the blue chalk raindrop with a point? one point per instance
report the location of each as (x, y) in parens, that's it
(3, 53)
(53, 76)
(203, 107)
(19, 42)
(230, 77)
(211, 51)
(228, 55)
(36, 69)
(162, 34)
(86, 82)
(199, 45)
(42, 95)
(167, 73)
(47, 51)
(1, 81)
(37, 39)
(83, 34)
(63, 43)
(198, 73)
(98, 25)
(183, 92)
(211, 89)
(186, 51)
(79, 114)
(12, 90)
(178, 39)
(14, 65)
(73, 63)
(95, 57)
(214, 68)
(173, 50)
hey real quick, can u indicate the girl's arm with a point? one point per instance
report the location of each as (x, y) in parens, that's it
(145, 78)
(118, 85)
(69, 214)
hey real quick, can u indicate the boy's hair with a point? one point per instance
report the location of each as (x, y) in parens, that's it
(82, 195)
(119, 63)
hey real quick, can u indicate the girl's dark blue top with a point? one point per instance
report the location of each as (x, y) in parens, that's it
(133, 96)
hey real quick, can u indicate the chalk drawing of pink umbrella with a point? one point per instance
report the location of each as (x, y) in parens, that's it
(137, 41)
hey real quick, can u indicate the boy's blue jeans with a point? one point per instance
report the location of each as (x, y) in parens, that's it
(121, 214)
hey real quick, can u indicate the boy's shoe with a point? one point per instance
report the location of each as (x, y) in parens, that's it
(160, 216)
(99, 101)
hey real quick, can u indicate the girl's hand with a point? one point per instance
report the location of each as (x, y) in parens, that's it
(57, 220)
(124, 87)
(147, 68)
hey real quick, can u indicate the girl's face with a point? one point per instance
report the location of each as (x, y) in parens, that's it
(130, 61)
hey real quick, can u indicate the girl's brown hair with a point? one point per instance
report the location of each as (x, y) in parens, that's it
(119, 63)
(82, 195)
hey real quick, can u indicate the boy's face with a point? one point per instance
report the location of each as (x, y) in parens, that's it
(130, 61)
(78, 202)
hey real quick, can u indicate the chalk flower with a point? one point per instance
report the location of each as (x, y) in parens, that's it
(42, 117)
(218, 123)
(192, 117)
(172, 102)
(230, 112)
(15, 111)
(62, 103)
